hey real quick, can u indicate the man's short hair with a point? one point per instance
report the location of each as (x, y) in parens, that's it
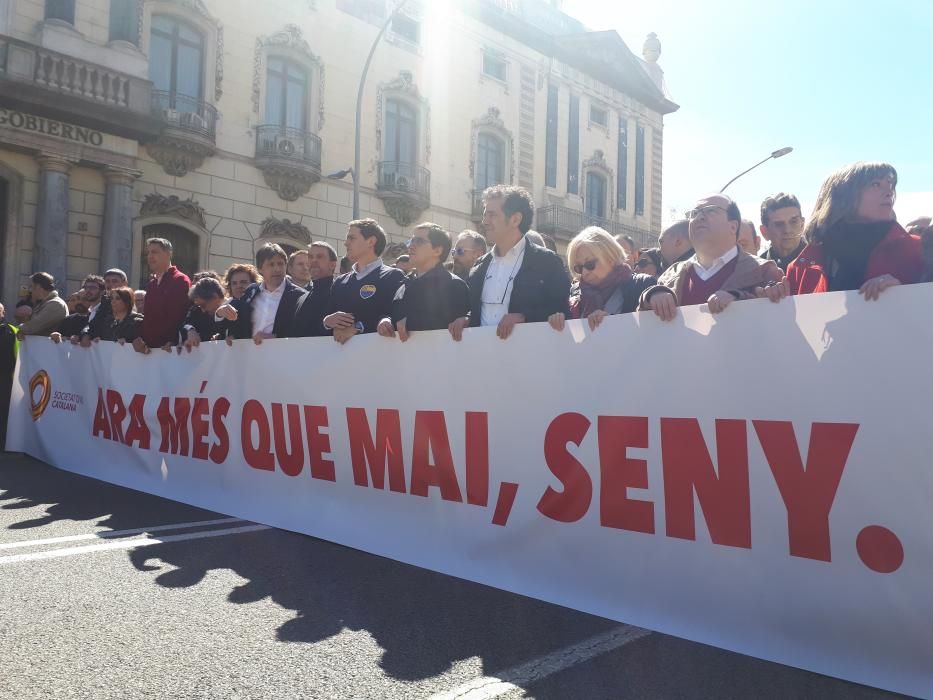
(515, 200)
(733, 214)
(269, 251)
(476, 240)
(44, 280)
(775, 202)
(206, 288)
(210, 274)
(438, 237)
(96, 279)
(295, 255)
(331, 253)
(678, 229)
(164, 243)
(370, 228)
(116, 271)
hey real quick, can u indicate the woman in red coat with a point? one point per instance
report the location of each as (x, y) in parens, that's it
(854, 240)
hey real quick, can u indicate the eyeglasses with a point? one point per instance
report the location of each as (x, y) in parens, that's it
(415, 241)
(461, 251)
(588, 265)
(703, 211)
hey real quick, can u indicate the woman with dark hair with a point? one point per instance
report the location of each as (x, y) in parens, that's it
(126, 324)
(854, 240)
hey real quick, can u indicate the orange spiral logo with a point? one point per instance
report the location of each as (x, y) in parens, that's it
(40, 379)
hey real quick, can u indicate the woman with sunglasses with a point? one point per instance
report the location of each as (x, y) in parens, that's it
(607, 285)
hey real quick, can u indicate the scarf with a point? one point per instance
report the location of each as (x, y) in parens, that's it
(594, 296)
(848, 246)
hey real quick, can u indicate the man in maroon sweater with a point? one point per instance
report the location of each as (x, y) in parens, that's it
(166, 298)
(719, 272)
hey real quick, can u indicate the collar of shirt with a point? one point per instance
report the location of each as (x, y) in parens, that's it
(265, 309)
(265, 291)
(784, 260)
(515, 251)
(92, 312)
(360, 274)
(705, 273)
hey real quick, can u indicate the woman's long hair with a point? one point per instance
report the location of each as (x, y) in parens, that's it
(839, 196)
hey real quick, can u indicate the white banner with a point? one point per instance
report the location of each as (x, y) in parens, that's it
(758, 480)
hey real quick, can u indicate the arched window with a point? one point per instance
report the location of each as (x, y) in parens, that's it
(401, 143)
(185, 247)
(490, 161)
(176, 62)
(286, 94)
(595, 195)
(63, 10)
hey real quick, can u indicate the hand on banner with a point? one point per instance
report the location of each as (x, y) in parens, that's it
(340, 319)
(664, 305)
(74, 340)
(56, 337)
(774, 292)
(84, 341)
(872, 289)
(403, 333)
(456, 328)
(385, 328)
(342, 335)
(595, 318)
(139, 345)
(507, 325)
(260, 336)
(193, 340)
(719, 301)
(557, 321)
(226, 311)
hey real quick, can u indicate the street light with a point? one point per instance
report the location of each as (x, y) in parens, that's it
(776, 154)
(354, 172)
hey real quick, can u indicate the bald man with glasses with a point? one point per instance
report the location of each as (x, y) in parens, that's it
(719, 272)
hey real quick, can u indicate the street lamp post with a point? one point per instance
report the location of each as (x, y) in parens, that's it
(776, 154)
(354, 172)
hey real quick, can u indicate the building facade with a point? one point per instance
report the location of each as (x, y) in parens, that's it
(215, 123)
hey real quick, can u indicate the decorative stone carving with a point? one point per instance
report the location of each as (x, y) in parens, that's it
(404, 86)
(394, 250)
(403, 210)
(597, 160)
(179, 154)
(156, 204)
(283, 228)
(289, 183)
(492, 121)
(289, 40)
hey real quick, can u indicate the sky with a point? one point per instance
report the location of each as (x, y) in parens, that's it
(838, 80)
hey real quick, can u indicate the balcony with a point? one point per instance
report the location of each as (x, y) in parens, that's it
(405, 190)
(57, 86)
(189, 131)
(565, 223)
(290, 159)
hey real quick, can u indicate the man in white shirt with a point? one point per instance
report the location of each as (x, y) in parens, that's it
(517, 281)
(719, 271)
(267, 309)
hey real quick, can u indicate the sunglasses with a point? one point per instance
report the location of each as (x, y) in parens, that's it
(415, 241)
(589, 265)
(703, 211)
(461, 251)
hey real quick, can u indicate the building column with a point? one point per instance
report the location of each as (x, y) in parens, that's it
(117, 237)
(51, 243)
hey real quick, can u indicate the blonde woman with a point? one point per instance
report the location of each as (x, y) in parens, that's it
(607, 284)
(854, 240)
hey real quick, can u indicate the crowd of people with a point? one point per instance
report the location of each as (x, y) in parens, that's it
(502, 277)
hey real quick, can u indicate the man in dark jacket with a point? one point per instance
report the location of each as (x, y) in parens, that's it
(362, 297)
(266, 309)
(517, 281)
(207, 296)
(309, 316)
(431, 298)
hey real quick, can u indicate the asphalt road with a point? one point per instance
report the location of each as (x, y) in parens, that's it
(110, 593)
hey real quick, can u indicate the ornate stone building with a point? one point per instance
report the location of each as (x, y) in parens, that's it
(215, 123)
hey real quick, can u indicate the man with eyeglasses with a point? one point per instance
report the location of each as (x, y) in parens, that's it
(469, 248)
(431, 298)
(782, 224)
(517, 281)
(362, 297)
(719, 272)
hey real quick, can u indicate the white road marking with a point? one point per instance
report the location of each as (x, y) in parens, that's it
(517, 677)
(129, 544)
(112, 534)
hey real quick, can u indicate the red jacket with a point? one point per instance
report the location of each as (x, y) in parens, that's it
(166, 306)
(899, 254)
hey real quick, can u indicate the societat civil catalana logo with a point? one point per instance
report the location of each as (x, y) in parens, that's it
(39, 403)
